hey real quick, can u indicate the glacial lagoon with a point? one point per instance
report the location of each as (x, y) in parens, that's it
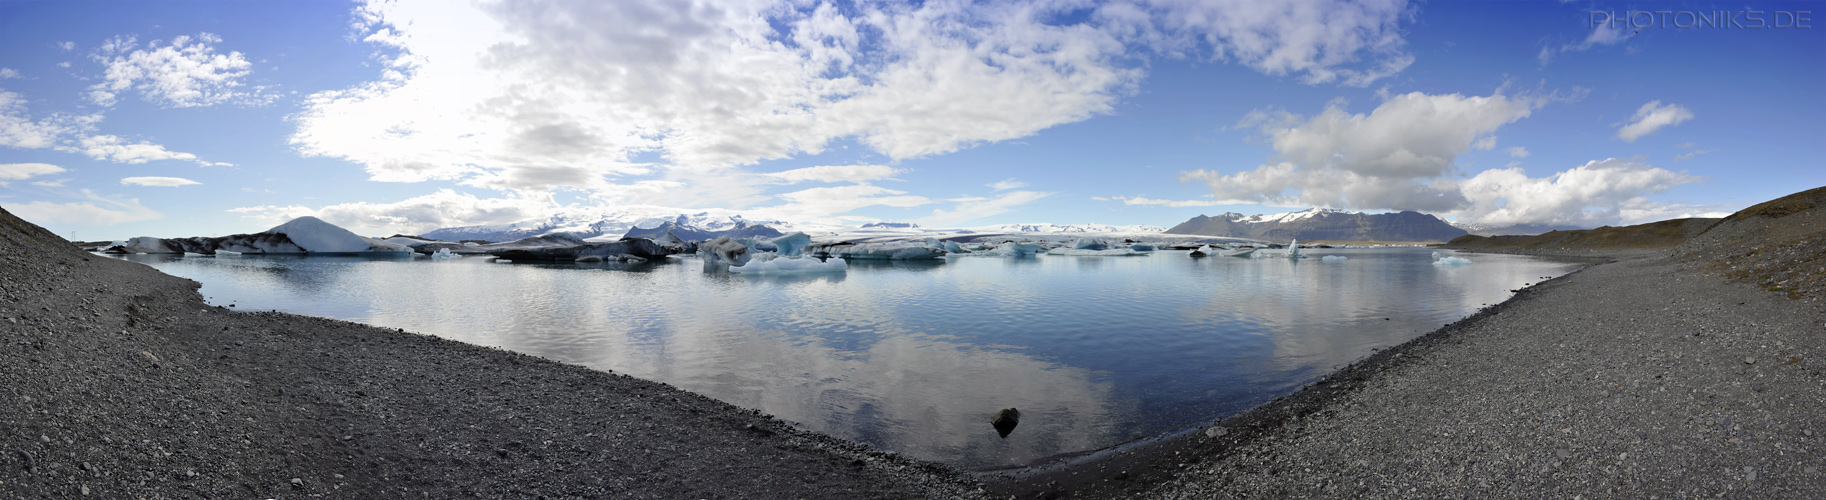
(915, 356)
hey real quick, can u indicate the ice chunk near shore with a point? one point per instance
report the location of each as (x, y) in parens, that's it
(1334, 258)
(790, 265)
(954, 248)
(792, 244)
(444, 254)
(1444, 261)
(146, 244)
(722, 252)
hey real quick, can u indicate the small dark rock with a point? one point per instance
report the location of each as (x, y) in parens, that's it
(1005, 421)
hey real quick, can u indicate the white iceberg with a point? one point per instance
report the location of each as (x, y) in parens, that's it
(1442, 260)
(790, 265)
(953, 248)
(444, 254)
(1334, 258)
(792, 244)
(316, 236)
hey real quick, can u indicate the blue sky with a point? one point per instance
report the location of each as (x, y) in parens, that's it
(201, 118)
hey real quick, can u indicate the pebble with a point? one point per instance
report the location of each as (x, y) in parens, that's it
(1216, 432)
(1749, 361)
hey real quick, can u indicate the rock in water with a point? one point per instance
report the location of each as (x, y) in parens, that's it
(1005, 420)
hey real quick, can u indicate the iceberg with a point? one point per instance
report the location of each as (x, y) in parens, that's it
(722, 252)
(300, 235)
(954, 248)
(316, 236)
(792, 244)
(444, 254)
(1142, 247)
(790, 265)
(1245, 252)
(1012, 249)
(1089, 244)
(1334, 258)
(1443, 260)
(880, 251)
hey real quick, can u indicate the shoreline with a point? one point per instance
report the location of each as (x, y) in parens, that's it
(1132, 468)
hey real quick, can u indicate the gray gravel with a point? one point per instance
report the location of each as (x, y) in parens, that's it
(117, 381)
(1634, 379)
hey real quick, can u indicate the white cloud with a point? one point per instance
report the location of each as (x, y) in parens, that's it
(1652, 117)
(8, 73)
(1605, 192)
(22, 171)
(157, 181)
(19, 130)
(113, 148)
(1143, 200)
(1006, 184)
(1692, 154)
(544, 95)
(444, 208)
(978, 209)
(818, 204)
(1395, 157)
(1601, 35)
(1320, 39)
(836, 173)
(97, 210)
(1518, 152)
(186, 73)
(67, 45)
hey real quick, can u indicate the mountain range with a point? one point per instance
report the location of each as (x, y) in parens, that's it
(1323, 224)
(590, 222)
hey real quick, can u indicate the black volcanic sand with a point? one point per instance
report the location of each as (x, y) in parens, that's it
(117, 381)
(1638, 378)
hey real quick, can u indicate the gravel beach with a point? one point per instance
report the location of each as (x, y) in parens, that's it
(117, 381)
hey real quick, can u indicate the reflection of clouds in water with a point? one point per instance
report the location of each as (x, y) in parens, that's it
(915, 356)
(1321, 315)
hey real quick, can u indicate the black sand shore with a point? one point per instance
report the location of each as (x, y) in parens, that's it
(1639, 378)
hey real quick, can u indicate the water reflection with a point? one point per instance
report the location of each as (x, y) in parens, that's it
(916, 356)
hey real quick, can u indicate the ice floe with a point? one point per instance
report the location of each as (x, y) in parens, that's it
(790, 265)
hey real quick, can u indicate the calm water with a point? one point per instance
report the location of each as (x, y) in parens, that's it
(915, 356)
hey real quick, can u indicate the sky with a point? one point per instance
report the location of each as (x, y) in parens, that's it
(174, 119)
